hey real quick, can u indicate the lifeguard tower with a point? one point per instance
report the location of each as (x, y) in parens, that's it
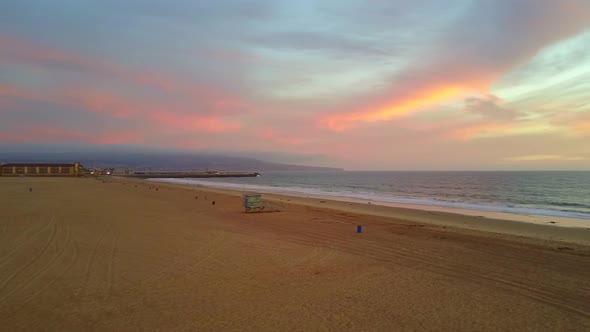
(255, 203)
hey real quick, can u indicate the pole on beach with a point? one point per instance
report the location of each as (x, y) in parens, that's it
(359, 229)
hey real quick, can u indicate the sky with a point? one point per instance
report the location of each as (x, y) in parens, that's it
(363, 85)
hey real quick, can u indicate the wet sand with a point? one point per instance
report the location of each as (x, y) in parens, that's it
(83, 254)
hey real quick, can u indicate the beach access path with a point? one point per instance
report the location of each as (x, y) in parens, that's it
(111, 254)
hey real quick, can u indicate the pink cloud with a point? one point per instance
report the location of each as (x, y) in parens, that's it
(233, 55)
(217, 99)
(182, 106)
(117, 137)
(58, 134)
(212, 98)
(15, 138)
(24, 51)
(98, 101)
(174, 116)
(45, 134)
(194, 122)
(7, 90)
(283, 138)
(55, 134)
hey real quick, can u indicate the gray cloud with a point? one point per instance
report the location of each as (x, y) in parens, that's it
(320, 41)
(196, 11)
(490, 107)
(493, 36)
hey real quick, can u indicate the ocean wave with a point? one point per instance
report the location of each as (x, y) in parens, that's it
(577, 205)
(376, 198)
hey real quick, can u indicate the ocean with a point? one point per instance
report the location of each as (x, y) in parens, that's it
(550, 193)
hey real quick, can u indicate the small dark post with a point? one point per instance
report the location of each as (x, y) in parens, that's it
(196, 197)
(212, 202)
(30, 189)
(156, 189)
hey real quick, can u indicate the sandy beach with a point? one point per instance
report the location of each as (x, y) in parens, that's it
(123, 255)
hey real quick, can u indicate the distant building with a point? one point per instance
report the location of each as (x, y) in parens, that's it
(48, 169)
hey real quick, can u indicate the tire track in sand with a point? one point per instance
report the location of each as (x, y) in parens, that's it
(42, 270)
(21, 243)
(408, 258)
(211, 246)
(502, 281)
(463, 273)
(49, 284)
(32, 260)
(210, 249)
(315, 257)
(89, 264)
(110, 268)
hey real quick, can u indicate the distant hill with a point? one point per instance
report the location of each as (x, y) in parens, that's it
(171, 161)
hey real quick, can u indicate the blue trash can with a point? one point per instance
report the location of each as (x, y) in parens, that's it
(359, 229)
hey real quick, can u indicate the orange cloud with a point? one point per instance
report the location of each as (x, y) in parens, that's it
(545, 157)
(400, 107)
(470, 131)
(468, 61)
(583, 127)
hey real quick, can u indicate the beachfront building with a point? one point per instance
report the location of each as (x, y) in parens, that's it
(47, 169)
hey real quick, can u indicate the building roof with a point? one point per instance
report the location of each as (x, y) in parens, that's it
(36, 164)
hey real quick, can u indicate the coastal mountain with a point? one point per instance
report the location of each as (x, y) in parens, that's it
(150, 160)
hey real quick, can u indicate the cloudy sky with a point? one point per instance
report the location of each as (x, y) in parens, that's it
(374, 84)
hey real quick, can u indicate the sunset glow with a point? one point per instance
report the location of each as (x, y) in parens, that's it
(435, 84)
(396, 109)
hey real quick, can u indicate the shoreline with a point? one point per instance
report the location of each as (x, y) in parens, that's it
(524, 227)
(111, 253)
(558, 221)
